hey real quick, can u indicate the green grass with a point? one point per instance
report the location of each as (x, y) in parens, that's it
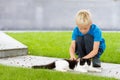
(13, 73)
(52, 44)
(112, 52)
(56, 44)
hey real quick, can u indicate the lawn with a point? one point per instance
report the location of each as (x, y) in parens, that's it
(56, 44)
(13, 73)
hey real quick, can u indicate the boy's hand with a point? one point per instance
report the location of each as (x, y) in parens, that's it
(78, 59)
(73, 58)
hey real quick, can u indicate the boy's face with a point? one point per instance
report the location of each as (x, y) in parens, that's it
(84, 28)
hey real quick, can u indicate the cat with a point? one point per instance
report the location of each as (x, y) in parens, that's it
(80, 65)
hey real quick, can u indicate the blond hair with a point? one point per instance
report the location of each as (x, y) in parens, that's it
(83, 17)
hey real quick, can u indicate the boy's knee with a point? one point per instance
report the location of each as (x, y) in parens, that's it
(88, 37)
(79, 38)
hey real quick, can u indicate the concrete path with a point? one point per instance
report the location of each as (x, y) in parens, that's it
(109, 70)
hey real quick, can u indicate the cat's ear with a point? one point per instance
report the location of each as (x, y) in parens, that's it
(82, 61)
(88, 61)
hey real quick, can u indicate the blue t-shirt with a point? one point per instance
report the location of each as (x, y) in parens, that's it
(95, 31)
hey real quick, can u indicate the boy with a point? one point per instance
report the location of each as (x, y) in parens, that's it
(87, 41)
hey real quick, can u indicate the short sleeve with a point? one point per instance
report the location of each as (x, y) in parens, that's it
(97, 35)
(74, 35)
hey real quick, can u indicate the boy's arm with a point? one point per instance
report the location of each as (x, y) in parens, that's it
(72, 50)
(94, 51)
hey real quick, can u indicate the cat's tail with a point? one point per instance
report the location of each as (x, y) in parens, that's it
(47, 66)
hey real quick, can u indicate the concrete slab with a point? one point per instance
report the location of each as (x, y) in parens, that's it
(108, 69)
(26, 61)
(10, 47)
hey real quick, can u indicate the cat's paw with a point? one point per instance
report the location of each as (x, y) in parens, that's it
(80, 69)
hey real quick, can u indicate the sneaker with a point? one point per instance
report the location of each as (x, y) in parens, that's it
(96, 62)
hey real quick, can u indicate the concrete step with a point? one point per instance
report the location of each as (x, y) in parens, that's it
(10, 47)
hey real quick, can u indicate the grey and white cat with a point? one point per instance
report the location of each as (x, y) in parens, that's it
(81, 65)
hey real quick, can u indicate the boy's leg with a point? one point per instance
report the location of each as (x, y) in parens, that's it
(89, 40)
(80, 50)
(96, 60)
